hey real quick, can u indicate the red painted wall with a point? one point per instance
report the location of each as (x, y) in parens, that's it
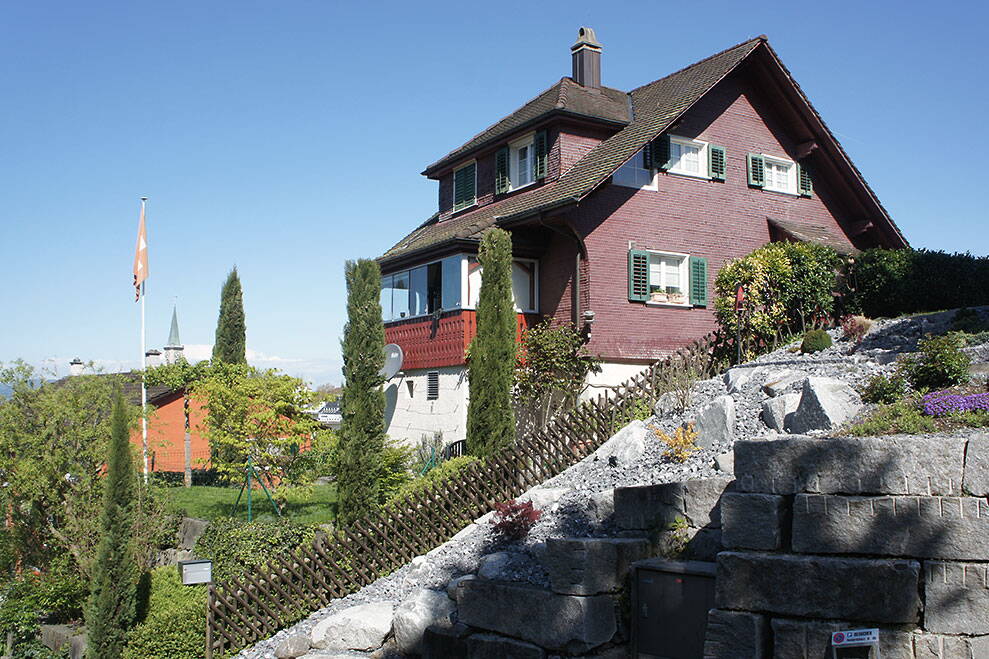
(166, 436)
(716, 220)
(431, 344)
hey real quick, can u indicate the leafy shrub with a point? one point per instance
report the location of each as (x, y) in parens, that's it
(639, 410)
(57, 595)
(943, 403)
(395, 473)
(855, 328)
(886, 282)
(815, 341)
(938, 364)
(788, 288)
(681, 444)
(885, 389)
(236, 548)
(315, 462)
(513, 520)
(174, 625)
(677, 538)
(903, 416)
(435, 477)
(970, 321)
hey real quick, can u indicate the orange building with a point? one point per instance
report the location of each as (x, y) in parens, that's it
(166, 432)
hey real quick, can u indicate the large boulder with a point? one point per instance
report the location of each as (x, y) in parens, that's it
(424, 608)
(776, 410)
(825, 404)
(779, 381)
(738, 377)
(363, 627)
(626, 446)
(189, 531)
(495, 566)
(715, 423)
(543, 497)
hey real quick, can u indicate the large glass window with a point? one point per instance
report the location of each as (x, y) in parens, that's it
(634, 174)
(385, 299)
(451, 281)
(400, 296)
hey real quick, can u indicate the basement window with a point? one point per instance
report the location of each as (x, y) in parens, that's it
(432, 385)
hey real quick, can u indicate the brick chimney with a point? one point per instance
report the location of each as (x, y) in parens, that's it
(75, 367)
(586, 55)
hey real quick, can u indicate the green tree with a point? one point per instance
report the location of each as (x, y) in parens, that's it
(358, 464)
(254, 414)
(113, 591)
(551, 367)
(230, 346)
(490, 418)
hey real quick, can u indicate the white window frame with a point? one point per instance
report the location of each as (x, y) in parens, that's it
(702, 156)
(453, 185)
(684, 276)
(535, 278)
(791, 176)
(628, 175)
(513, 168)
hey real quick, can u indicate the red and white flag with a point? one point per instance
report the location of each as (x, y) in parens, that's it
(140, 257)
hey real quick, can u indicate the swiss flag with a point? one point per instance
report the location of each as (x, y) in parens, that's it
(140, 256)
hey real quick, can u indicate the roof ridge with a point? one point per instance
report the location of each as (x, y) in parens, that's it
(761, 37)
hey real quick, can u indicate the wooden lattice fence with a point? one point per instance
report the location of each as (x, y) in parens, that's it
(246, 609)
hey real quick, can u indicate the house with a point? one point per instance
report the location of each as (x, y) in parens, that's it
(622, 207)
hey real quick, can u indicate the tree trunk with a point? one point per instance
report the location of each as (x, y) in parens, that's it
(188, 444)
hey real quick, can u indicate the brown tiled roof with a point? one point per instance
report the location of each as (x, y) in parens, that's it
(812, 233)
(655, 107)
(566, 97)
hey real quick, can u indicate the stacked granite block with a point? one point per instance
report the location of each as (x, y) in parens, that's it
(828, 534)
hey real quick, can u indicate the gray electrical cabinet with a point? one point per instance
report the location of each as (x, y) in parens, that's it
(670, 601)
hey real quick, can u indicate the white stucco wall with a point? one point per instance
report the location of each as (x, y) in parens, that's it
(409, 415)
(611, 374)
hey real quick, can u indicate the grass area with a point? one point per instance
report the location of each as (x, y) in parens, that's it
(314, 504)
(905, 417)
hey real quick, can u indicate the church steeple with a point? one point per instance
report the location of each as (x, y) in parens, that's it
(174, 348)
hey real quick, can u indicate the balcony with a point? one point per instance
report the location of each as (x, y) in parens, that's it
(433, 342)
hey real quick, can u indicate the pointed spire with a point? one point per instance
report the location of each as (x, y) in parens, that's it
(173, 333)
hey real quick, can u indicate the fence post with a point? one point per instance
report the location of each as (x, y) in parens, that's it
(209, 621)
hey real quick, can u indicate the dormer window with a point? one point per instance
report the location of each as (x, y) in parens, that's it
(465, 187)
(522, 162)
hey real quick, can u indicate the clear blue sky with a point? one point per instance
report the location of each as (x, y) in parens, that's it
(286, 137)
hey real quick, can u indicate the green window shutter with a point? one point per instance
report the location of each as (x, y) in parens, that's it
(647, 160)
(464, 187)
(804, 184)
(757, 170)
(502, 182)
(540, 146)
(638, 275)
(716, 162)
(698, 281)
(661, 152)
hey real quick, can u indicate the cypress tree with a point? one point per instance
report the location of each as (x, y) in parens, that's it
(113, 589)
(490, 417)
(230, 346)
(362, 404)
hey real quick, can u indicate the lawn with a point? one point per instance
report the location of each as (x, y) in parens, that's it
(314, 504)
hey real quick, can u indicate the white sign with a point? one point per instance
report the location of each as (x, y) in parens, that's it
(855, 638)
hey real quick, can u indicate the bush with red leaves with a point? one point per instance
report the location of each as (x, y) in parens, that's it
(513, 520)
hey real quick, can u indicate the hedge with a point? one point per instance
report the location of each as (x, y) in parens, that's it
(174, 626)
(889, 283)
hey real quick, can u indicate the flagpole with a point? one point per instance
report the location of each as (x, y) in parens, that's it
(144, 366)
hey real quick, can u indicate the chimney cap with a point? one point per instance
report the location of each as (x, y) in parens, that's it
(586, 37)
(76, 362)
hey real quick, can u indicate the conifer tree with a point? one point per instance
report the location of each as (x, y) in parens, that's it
(362, 404)
(230, 346)
(113, 588)
(490, 417)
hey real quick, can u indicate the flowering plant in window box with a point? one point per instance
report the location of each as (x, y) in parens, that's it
(658, 294)
(674, 295)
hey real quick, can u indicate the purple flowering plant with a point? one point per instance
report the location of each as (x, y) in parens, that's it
(943, 403)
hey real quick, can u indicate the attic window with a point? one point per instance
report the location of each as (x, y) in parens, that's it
(521, 163)
(635, 174)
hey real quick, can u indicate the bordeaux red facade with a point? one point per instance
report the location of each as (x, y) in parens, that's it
(581, 222)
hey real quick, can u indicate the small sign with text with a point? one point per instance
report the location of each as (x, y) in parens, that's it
(855, 638)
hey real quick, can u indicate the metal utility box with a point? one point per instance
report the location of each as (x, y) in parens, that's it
(670, 601)
(196, 571)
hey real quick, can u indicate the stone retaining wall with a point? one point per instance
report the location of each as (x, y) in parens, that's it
(828, 534)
